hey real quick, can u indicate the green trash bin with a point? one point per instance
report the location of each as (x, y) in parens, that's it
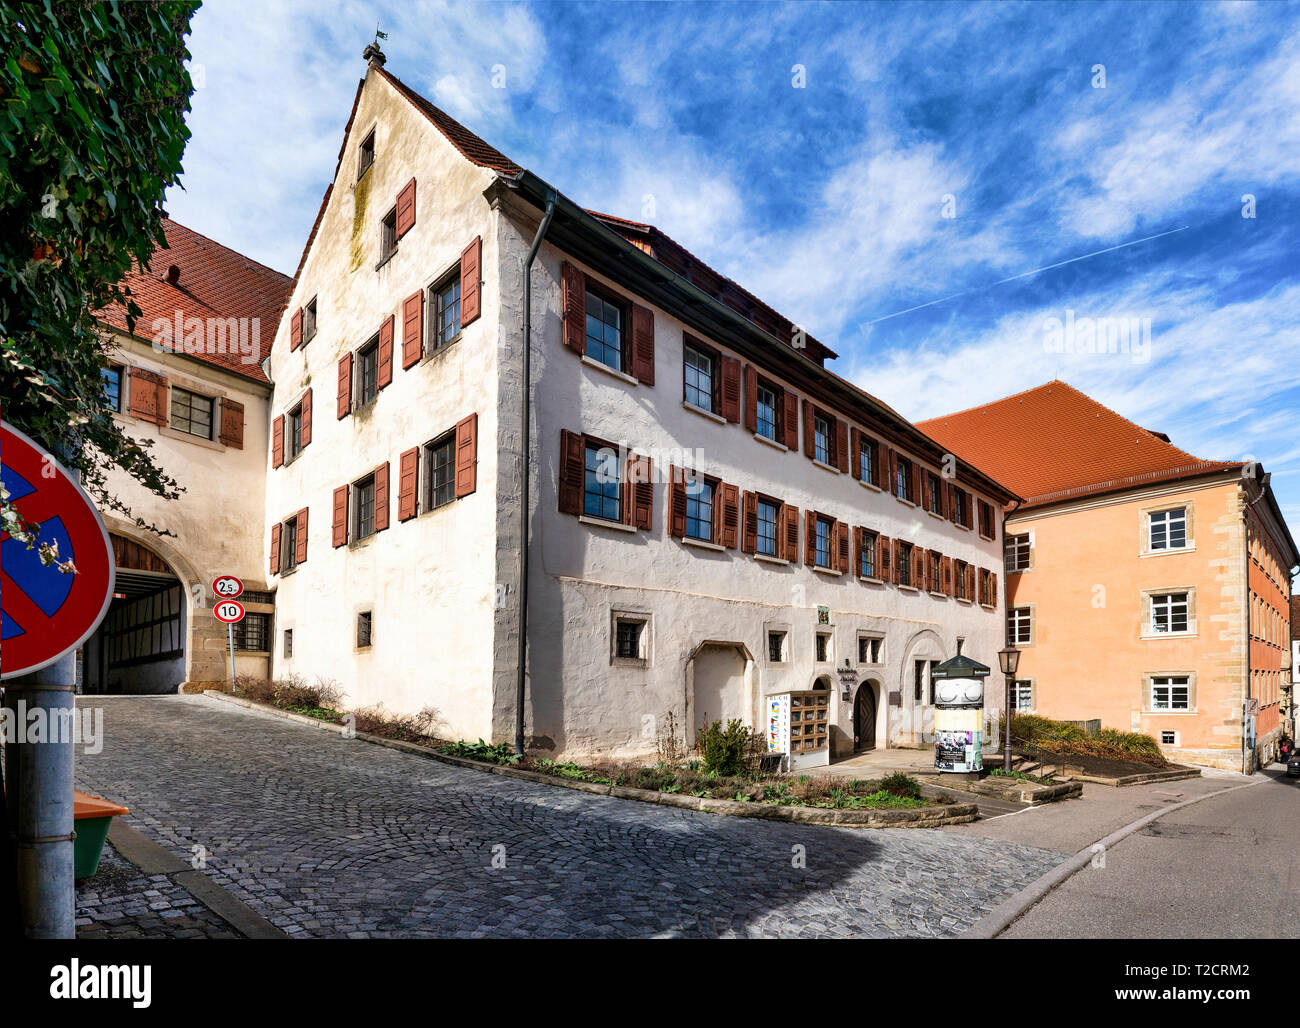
(91, 816)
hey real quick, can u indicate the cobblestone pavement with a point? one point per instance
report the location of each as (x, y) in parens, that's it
(121, 902)
(329, 837)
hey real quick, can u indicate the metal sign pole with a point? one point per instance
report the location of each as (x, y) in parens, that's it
(230, 635)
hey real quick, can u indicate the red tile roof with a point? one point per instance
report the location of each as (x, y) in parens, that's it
(214, 282)
(1053, 443)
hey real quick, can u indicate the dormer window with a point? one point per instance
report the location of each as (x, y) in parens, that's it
(366, 155)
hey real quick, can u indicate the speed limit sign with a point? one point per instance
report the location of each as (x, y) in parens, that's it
(229, 611)
(227, 587)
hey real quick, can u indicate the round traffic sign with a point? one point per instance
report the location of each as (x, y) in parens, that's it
(227, 587)
(45, 613)
(229, 611)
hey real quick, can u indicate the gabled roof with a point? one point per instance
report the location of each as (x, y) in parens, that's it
(214, 281)
(1053, 443)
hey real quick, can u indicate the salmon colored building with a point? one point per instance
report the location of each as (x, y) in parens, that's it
(1146, 588)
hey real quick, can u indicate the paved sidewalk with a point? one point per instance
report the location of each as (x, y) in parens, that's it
(328, 837)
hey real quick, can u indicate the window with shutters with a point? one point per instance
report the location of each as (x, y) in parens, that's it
(293, 433)
(700, 372)
(987, 528)
(933, 493)
(366, 154)
(933, 578)
(365, 629)
(825, 532)
(1171, 692)
(368, 372)
(288, 642)
(961, 579)
(823, 439)
(905, 564)
(867, 554)
(111, 378)
(602, 483)
(1022, 695)
(870, 649)
(191, 413)
(903, 480)
(769, 411)
(867, 457)
(440, 471)
(1167, 529)
(768, 514)
(699, 508)
(960, 514)
(1020, 626)
(309, 321)
(1016, 548)
(986, 591)
(363, 505)
(604, 332)
(444, 310)
(288, 545)
(387, 238)
(1170, 614)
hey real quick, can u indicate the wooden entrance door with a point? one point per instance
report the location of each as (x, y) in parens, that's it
(864, 719)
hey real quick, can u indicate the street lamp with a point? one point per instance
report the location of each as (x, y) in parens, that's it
(1008, 661)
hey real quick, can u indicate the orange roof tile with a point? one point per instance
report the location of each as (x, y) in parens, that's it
(214, 282)
(1053, 443)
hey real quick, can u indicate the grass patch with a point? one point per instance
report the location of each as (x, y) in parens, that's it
(1032, 732)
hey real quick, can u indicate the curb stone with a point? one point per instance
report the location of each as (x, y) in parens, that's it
(1001, 917)
(924, 817)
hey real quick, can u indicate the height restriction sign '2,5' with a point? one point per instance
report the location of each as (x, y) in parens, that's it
(44, 612)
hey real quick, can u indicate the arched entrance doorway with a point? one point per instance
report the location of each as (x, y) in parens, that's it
(864, 718)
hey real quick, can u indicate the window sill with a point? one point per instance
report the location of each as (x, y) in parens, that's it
(1189, 548)
(909, 589)
(172, 433)
(434, 352)
(907, 503)
(633, 662)
(386, 259)
(596, 365)
(869, 580)
(587, 519)
(703, 544)
(768, 559)
(938, 595)
(936, 515)
(771, 442)
(1018, 571)
(1153, 636)
(989, 606)
(703, 413)
(870, 485)
(964, 528)
(828, 467)
(1167, 713)
(827, 571)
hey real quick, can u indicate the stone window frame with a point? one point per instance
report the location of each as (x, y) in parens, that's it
(830, 647)
(782, 627)
(1144, 528)
(1188, 673)
(1033, 693)
(1033, 624)
(877, 636)
(1007, 537)
(365, 615)
(646, 620)
(1145, 630)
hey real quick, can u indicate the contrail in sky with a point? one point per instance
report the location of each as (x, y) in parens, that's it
(1026, 274)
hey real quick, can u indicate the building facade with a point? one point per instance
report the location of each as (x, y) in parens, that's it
(1147, 588)
(714, 517)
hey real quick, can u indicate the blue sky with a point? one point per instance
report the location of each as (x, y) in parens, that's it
(829, 199)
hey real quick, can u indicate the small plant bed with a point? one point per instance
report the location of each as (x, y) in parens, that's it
(1020, 776)
(1064, 741)
(317, 701)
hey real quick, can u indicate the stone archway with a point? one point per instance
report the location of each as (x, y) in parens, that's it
(867, 717)
(914, 718)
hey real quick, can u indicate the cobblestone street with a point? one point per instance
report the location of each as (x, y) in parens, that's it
(326, 837)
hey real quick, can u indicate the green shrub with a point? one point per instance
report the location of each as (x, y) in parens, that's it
(501, 753)
(723, 749)
(901, 785)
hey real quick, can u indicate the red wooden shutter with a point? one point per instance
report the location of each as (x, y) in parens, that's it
(572, 466)
(969, 521)
(295, 330)
(275, 549)
(884, 567)
(471, 278)
(306, 417)
(300, 540)
(791, 419)
(385, 356)
(809, 443)
(788, 543)
(575, 308)
(916, 484)
(677, 502)
(841, 553)
(751, 399)
(148, 395)
(466, 455)
(381, 497)
(730, 392)
(340, 536)
(841, 445)
(749, 523)
(943, 496)
(412, 329)
(406, 209)
(947, 576)
(408, 479)
(858, 532)
(643, 345)
(918, 567)
(730, 504)
(277, 441)
(855, 452)
(993, 589)
(893, 472)
(232, 423)
(345, 385)
(638, 506)
(882, 464)
(810, 538)
(898, 562)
